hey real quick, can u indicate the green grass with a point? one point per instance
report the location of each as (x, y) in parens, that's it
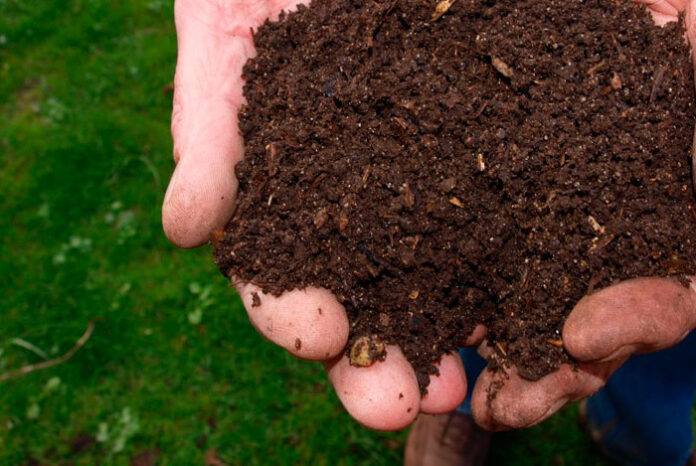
(85, 153)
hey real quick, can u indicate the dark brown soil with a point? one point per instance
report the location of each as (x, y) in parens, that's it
(492, 165)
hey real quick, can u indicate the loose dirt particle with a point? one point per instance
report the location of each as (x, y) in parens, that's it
(448, 184)
(616, 81)
(456, 202)
(502, 67)
(366, 350)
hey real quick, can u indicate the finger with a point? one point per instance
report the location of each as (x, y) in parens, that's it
(447, 390)
(477, 336)
(504, 400)
(383, 396)
(635, 316)
(690, 23)
(207, 144)
(201, 192)
(664, 11)
(214, 42)
(309, 323)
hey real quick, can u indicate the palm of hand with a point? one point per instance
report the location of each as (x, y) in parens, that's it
(214, 39)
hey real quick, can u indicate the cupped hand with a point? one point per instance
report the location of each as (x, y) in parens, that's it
(606, 328)
(603, 330)
(214, 43)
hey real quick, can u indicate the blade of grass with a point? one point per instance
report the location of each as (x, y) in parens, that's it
(30, 347)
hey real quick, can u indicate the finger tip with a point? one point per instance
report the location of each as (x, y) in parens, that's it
(199, 199)
(503, 401)
(384, 396)
(310, 323)
(481, 403)
(610, 321)
(594, 329)
(575, 340)
(181, 220)
(447, 390)
(180, 236)
(495, 404)
(477, 336)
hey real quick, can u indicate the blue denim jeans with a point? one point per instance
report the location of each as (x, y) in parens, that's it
(643, 415)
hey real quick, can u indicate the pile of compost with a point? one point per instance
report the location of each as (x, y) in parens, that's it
(442, 165)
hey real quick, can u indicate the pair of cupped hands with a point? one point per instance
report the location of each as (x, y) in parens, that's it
(602, 332)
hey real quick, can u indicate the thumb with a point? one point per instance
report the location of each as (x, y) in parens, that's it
(214, 41)
(635, 316)
(213, 46)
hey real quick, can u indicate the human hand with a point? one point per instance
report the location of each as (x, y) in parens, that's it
(602, 332)
(215, 41)
(604, 329)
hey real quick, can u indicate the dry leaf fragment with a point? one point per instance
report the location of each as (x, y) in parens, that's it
(480, 163)
(502, 67)
(271, 153)
(558, 343)
(615, 81)
(366, 174)
(407, 196)
(456, 202)
(596, 67)
(441, 9)
(596, 226)
(342, 221)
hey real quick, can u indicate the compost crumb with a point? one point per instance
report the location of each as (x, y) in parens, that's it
(442, 165)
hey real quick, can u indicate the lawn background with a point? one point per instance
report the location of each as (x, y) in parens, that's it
(173, 373)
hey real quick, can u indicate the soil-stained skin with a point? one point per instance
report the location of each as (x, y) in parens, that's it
(491, 164)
